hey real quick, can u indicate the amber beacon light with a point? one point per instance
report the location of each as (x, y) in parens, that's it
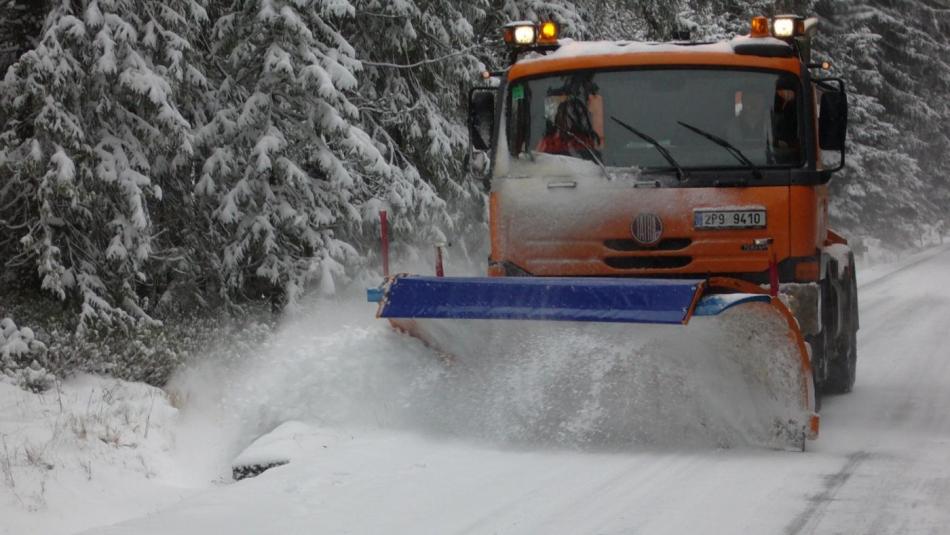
(526, 34)
(760, 27)
(549, 32)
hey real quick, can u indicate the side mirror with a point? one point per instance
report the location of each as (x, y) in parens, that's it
(481, 117)
(833, 117)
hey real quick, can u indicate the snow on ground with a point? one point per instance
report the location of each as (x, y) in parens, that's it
(90, 451)
(893, 430)
(878, 263)
(375, 481)
(369, 454)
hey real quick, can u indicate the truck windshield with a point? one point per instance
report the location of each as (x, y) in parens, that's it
(579, 115)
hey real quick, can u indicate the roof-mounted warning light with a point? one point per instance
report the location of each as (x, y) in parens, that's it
(795, 30)
(529, 34)
(548, 33)
(760, 27)
(518, 34)
(785, 27)
(525, 36)
(788, 26)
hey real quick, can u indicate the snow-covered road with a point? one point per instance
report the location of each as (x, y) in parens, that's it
(881, 465)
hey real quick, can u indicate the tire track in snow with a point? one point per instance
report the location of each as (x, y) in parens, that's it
(925, 257)
(892, 322)
(807, 521)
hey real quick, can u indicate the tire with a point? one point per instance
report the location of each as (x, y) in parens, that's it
(842, 371)
(842, 367)
(822, 346)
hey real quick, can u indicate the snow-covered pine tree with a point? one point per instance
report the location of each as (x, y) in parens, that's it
(20, 24)
(419, 59)
(639, 20)
(723, 19)
(286, 171)
(894, 59)
(93, 131)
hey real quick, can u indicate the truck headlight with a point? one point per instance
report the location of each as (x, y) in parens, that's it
(520, 33)
(783, 28)
(524, 35)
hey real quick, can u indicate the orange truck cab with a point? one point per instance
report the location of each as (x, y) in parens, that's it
(667, 160)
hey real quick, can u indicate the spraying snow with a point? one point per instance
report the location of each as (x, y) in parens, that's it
(507, 383)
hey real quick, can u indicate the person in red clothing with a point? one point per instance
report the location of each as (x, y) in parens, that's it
(571, 133)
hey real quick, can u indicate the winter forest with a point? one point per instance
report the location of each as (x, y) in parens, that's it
(164, 164)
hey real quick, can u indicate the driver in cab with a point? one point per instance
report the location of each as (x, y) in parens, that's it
(760, 122)
(571, 132)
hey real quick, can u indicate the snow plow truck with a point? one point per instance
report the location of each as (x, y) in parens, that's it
(680, 183)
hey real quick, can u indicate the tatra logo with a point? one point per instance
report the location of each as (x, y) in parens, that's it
(647, 229)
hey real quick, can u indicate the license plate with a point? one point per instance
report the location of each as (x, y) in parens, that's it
(729, 219)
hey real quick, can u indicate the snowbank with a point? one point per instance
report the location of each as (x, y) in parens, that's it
(22, 357)
(90, 451)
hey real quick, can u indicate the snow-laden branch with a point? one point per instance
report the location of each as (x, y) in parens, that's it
(422, 62)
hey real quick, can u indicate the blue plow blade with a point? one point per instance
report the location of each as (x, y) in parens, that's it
(666, 301)
(536, 298)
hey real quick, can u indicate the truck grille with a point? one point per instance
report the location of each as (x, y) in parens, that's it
(647, 262)
(669, 244)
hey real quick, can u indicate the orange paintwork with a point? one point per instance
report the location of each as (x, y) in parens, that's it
(645, 59)
(541, 233)
(810, 227)
(555, 232)
(700, 290)
(736, 285)
(834, 237)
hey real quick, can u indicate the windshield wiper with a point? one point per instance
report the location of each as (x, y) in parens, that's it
(680, 174)
(589, 149)
(735, 152)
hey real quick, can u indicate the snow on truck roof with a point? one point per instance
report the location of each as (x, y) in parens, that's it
(760, 52)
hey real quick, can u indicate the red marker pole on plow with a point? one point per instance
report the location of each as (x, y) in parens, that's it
(439, 270)
(773, 264)
(384, 240)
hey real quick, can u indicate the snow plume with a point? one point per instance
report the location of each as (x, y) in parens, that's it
(590, 386)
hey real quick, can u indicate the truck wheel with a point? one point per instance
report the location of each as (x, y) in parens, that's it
(841, 372)
(822, 343)
(842, 367)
